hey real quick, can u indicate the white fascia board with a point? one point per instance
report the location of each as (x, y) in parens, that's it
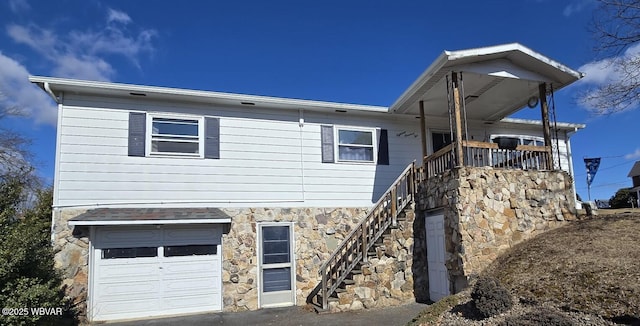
(399, 105)
(96, 86)
(149, 222)
(562, 125)
(504, 48)
(447, 58)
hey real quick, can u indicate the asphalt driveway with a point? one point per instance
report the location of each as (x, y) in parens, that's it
(290, 316)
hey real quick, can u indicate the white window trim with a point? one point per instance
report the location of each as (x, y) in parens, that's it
(520, 137)
(336, 144)
(149, 132)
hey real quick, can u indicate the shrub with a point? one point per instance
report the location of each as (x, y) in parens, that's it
(490, 297)
(542, 317)
(27, 275)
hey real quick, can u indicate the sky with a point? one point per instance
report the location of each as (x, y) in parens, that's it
(361, 52)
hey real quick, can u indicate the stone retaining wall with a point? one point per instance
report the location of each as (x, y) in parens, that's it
(489, 210)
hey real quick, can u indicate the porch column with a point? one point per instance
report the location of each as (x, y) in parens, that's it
(423, 133)
(457, 119)
(546, 130)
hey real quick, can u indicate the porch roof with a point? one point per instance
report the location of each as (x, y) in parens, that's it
(497, 81)
(132, 216)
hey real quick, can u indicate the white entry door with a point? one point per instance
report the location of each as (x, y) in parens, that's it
(155, 270)
(277, 270)
(436, 253)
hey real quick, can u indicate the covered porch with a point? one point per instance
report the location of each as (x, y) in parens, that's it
(469, 91)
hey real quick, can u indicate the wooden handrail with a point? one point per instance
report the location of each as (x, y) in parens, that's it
(353, 249)
(478, 154)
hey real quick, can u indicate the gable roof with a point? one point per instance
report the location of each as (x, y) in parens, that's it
(497, 79)
(635, 170)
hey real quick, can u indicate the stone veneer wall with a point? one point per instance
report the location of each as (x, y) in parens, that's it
(71, 247)
(489, 210)
(318, 231)
(394, 276)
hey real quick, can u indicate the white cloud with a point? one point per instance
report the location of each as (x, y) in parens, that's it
(608, 71)
(17, 6)
(633, 156)
(117, 16)
(576, 6)
(20, 93)
(80, 54)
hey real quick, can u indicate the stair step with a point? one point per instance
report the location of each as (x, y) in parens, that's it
(341, 290)
(349, 282)
(356, 271)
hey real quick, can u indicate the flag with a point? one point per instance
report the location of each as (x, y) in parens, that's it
(592, 165)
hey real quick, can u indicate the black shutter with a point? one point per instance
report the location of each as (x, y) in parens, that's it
(383, 147)
(212, 138)
(327, 144)
(137, 133)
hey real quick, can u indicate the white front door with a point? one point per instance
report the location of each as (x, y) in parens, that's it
(277, 270)
(436, 253)
(155, 270)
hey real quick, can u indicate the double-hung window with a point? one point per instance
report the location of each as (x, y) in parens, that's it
(176, 136)
(355, 145)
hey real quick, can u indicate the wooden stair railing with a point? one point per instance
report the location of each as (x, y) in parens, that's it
(353, 249)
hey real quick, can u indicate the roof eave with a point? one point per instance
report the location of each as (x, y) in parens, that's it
(405, 101)
(97, 87)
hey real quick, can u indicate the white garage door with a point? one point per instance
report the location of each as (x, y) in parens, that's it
(156, 270)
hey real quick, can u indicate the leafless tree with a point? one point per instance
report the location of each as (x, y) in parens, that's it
(616, 29)
(15, 156)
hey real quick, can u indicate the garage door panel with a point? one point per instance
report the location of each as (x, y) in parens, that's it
(192, 285)
(129, 237)
(184, 235)
(131, 291)
(177, 268)
(128, 270)
(203, 302)
(183, 279)
(129, 309)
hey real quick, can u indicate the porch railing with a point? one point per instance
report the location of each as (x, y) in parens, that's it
(353, 249)
(479, 154)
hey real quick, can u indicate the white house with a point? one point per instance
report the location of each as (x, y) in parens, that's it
(171, 201)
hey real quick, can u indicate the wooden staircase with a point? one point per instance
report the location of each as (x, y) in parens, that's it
(363, 241)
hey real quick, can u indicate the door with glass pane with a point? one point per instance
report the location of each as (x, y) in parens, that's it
(277, 286)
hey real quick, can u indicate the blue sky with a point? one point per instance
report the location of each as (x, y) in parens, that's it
(364, 52)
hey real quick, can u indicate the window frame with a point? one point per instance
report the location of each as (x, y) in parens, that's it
(150, 136)
(373, 146)
(521, 138)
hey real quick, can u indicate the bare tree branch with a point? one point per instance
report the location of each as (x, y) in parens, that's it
(616, 30)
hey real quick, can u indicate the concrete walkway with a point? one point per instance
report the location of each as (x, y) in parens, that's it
(290, 316)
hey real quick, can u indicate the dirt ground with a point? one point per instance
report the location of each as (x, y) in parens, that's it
(591, 266)
(586, 272)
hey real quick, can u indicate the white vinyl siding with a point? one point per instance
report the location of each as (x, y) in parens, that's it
(267, 158)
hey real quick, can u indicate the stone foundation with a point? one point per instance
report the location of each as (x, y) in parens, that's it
(489, 210)
(318, 231)
(391, 277)
(71, 247)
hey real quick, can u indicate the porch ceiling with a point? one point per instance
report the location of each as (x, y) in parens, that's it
(497, 81)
